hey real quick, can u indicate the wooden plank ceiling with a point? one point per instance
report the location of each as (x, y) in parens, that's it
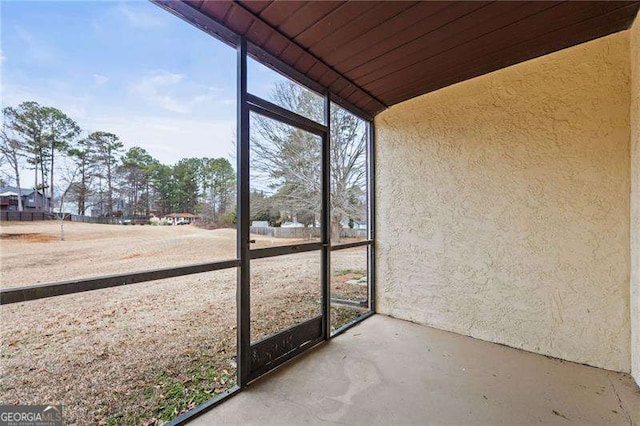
(375, 54)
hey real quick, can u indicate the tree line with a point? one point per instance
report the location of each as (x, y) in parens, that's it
(95, 172)
(285, 164)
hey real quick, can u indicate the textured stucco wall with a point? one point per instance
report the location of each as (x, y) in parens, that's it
(635, 199)
(503, 206)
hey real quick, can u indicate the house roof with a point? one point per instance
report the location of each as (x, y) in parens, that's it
(189, 215)
(15, 190)
(374, 54)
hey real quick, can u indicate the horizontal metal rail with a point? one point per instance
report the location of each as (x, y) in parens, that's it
(41, 291)
(352, 245)
(283, 250)
(275, 112)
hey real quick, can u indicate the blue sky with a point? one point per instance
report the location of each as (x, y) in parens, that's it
(127, 67)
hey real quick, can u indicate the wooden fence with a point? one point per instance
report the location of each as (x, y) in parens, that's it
(92, 219)
(35, 216)
(304, 233)
(25, 216)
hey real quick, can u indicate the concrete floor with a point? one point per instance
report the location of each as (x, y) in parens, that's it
(388, 371)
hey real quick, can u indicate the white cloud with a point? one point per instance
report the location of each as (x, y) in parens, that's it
(2, 57)
(157, 88)
(172, 92)
(171, 104)
(165, 78)
(100, 79)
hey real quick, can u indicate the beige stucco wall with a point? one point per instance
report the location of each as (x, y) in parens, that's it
(635, 199)
(503, 206)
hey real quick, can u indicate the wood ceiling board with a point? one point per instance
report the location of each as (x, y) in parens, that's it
(358, 98)
(317, 71)
(372, 108)
(339, 85)
(550, 42)
(217, 10)
(367, 20)
(276, 44)
(305, 62)
(194, 3)
(306, 16)
(335, 20)
(352, 89)
(329, 78)
(291, 53)
(460, 31)
(260, 32)
(362, 56)
(280, 11)
(478, 49)
(395, 25)
(349, 90)
(256, 6)
(239, 19)
(431, 22)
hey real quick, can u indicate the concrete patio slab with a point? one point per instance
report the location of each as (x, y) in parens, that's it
(388, 371)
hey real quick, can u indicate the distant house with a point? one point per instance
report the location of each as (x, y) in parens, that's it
(353, 224)
(292, 225)
(357, 224)
(180, 218)
(31, 200)
(259, 224)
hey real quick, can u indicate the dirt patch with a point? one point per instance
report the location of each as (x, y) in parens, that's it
(31, 238)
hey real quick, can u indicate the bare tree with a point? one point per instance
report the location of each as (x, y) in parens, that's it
(12, 151)
(70, 174)
(287, 161)
(348, 169)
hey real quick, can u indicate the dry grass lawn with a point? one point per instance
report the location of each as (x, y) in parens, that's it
(146, 352)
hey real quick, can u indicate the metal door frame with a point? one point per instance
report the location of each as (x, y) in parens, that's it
(264, 355)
